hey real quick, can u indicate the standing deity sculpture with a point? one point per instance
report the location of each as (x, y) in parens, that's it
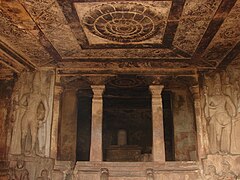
(36, 113)
(219, 111)
(16, 115)
(30, 121)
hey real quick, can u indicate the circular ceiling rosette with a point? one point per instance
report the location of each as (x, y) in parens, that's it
(123, 21)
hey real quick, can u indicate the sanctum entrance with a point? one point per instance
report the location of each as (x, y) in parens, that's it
(127, 122)
(132, 118)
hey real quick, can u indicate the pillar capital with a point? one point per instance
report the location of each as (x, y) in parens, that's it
(156, 90)
(195, 91)
(98, 90)
(58, 90)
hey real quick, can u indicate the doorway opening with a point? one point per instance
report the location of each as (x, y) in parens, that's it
(127, 120)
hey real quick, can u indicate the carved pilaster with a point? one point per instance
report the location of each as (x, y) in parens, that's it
(158, 149)
(56, 113)
(198, 115)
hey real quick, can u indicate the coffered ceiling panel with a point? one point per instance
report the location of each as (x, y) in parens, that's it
(124, 22)
(136, 34)
(195, 19)
(226, 38)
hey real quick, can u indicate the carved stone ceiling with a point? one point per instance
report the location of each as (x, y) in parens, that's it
(112, 35)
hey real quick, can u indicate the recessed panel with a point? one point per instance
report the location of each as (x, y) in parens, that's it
(124, 22)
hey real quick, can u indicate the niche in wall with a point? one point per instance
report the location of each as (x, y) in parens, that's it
(84, 124)
(179, 123)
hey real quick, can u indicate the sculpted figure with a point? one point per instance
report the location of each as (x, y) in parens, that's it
(20, 172)
(30, 120)
(227, 86)
(104, 174)
(227, 174)
(44, 175)
(219, 119)
(212, 175)
(16, 115)
(150, 174)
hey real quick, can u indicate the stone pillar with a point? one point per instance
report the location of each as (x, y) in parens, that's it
(56, 112)
(199, 124)
(96, 130)
(158, 148)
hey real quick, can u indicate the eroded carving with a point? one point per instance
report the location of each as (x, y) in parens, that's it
(104, 174)
(224, 174)
(44, 175)
(211, 173)
(19, 172)
(150, 174)
(219, 118)
(35, 115)
(227, 174)
(31, 114)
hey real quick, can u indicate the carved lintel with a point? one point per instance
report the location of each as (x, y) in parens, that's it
(98, 80)
(154, 80)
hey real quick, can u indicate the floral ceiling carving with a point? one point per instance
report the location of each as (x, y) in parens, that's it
(124, 21)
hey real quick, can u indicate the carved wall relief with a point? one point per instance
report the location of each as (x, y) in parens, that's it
(19, 172)
(221, 102)
(220, 168)
(150, 174)
(31, 113)
(28, 168)
(44, 175)
(104, 174)
(6, 88)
